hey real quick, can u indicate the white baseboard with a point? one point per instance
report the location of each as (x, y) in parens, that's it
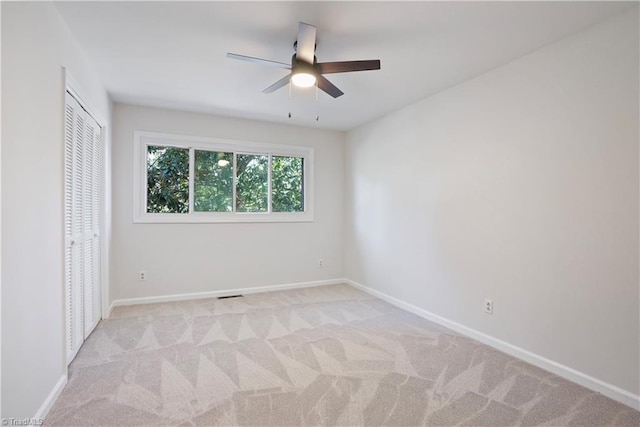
(51, 398)
(609, 390)
(216, 294)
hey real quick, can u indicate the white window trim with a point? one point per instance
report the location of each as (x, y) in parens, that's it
(142, 139)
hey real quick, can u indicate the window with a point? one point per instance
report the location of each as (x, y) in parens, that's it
(190, 179)
(213, 181)
(287, 175)
(252, 178)
(167, 179)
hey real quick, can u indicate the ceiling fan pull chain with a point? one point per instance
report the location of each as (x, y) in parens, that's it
(317, 105)
(290, 101)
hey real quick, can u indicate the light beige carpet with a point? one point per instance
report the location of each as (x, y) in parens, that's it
(329, 355)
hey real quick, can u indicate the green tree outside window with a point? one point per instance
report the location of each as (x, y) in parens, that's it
(213, 181)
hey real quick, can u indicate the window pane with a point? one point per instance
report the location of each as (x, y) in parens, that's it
(287, 184)
(167, 179)
(252, 186)
(213, 181)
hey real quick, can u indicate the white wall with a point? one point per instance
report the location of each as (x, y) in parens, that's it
(522, 186)
(36, 45)
(189, 258)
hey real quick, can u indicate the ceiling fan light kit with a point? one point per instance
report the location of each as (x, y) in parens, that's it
(302, 73)
(305, 70)
(302, 79)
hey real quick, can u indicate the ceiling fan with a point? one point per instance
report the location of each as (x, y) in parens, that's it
(305, 70)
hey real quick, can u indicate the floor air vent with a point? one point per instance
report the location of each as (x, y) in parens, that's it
(230, 296)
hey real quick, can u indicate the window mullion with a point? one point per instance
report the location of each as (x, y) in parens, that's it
(191, 178)
(235, 181)
(269, 184)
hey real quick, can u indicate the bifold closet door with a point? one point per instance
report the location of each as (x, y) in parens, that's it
(74, 137)
(90, 223)
(81, 224)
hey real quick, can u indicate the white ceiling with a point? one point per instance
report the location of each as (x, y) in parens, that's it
(172, 54)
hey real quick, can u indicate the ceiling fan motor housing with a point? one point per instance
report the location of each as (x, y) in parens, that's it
(299, 66)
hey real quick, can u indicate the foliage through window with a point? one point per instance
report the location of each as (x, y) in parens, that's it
(252, 188)
(222, 181)
(213, 181)
(167, 179)
(287, 177)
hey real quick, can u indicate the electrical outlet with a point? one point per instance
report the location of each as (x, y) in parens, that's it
(488, 306)
(320, 263)
(142, 275)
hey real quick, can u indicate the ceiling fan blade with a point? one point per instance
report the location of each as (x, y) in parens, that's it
(306, 43)
(259, 61)
(329, 87)
(277, 85)
(348, 66)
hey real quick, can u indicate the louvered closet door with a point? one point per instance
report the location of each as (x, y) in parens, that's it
(74, 137)
(96, 289)
(81, 224)
(90, 220)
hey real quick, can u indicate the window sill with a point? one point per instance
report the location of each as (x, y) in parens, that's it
(192, 218)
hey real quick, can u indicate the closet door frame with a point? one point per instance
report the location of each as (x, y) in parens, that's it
(75, 90)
